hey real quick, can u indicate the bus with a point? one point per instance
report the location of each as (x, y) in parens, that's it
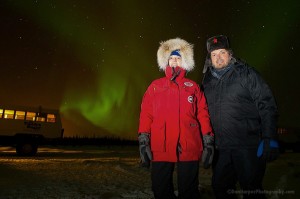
(26, 128)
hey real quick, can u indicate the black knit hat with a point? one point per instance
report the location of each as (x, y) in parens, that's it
(217, 42)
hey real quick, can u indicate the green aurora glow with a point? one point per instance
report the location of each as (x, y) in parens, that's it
(114, 44)
(108, 102)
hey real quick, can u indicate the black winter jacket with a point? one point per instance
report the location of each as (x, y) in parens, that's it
(241, 106)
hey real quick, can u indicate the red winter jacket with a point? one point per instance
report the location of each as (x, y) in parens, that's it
(174, 112)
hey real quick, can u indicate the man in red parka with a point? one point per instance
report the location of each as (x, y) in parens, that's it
(174, 118)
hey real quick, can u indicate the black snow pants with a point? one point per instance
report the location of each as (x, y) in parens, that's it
(187, 178)
(238, 165)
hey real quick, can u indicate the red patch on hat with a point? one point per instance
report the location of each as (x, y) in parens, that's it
(215, 40)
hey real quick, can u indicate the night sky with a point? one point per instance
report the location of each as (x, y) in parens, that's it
(93, 60)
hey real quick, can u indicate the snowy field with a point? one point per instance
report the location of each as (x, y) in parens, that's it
(111, 172)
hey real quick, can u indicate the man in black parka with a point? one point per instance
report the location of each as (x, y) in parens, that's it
(243, 113)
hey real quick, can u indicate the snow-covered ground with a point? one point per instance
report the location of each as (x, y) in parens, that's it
(102, 172)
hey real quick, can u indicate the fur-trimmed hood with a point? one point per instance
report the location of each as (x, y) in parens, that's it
(186, 52)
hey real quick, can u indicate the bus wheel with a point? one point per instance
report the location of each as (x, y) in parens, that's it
(26, 149)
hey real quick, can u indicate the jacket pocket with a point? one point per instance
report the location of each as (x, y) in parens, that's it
(158, 137)
(192, 137)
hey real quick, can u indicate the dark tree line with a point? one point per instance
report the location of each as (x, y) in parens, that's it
(94, 141)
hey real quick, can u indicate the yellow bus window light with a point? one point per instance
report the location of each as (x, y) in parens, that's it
(20, 115)
(30, 116)
(9, 114)
(40, 119)
(27, 115)
(50, 118)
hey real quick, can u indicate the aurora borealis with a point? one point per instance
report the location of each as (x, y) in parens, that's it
(93, 60)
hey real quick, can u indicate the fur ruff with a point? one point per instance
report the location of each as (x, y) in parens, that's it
(186, 52)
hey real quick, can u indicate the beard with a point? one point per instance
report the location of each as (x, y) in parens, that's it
(220, 63)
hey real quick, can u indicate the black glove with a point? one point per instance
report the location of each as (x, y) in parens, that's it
(145, 150)
(268, 149)
(208, 151)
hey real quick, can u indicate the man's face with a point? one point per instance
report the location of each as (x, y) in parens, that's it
(175, 60)
(220, 58)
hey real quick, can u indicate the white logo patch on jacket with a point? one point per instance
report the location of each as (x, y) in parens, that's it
(189, 84)
(190, 99)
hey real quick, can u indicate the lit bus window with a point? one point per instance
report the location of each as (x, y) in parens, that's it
(40, 119)
(1, 113)
(30, 116)
(9, 114)
(20, 115)
(50, 118)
